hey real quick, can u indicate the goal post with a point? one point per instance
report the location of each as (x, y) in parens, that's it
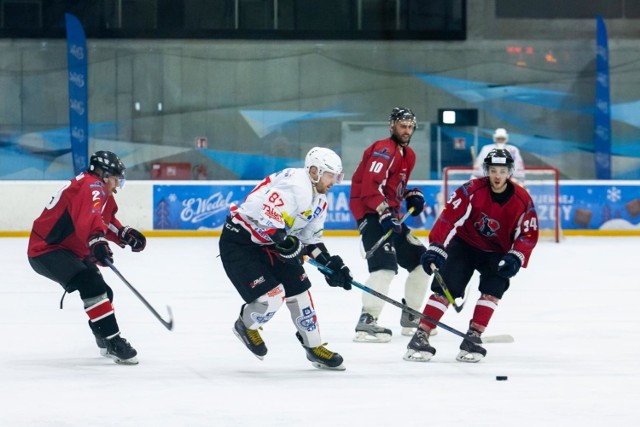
(542, 183)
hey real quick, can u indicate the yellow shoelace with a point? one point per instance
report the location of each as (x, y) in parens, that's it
(322, 352)
(255, 337)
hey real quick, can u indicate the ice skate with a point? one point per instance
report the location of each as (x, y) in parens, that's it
(419, 349)
(121, 351)
(469, 351)
(321, 357)
(250, 338)
(367, 330)
(101, 342)
(408, 322)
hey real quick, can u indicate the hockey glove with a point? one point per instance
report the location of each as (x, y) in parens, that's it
(414, 199)
(341, 274)
(289, 248)
(132, 237)
(388, 221)
(509, 266)
(100, 250)
(435, 255)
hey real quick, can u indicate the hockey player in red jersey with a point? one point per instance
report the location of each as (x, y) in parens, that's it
(70, 237)
(262, 245)
(378, 189)
(488, 225)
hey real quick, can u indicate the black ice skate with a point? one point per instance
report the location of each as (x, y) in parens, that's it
(321, 357)
(121, 351)
(101, 342)
(409, 322)
(250, 338)
(469, 351)
(367, 330)
(419, 349)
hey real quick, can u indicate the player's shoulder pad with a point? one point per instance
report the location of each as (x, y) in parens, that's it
(384, 149)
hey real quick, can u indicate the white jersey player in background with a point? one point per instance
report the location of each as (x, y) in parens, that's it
(500, 139)
(262, 245)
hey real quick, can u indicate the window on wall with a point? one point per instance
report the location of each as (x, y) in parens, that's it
(565, 9)
(379, 15)
(249, 19)
(21, 14)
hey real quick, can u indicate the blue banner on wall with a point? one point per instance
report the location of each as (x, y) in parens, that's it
(78, 93)
(585, 206)
(204, 207)
(602, 113)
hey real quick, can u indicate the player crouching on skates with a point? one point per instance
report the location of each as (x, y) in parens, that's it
(262, 245)
(70, 237)
(489, 225)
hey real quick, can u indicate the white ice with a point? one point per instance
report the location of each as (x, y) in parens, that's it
(574, 315)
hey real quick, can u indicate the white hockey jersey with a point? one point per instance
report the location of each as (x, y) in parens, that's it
(283, 200)
(518, 163)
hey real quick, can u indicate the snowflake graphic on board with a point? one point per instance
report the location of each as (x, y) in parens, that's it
(614, 194)
(173, 197)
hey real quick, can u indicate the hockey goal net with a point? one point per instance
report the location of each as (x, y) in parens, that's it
(543, 185)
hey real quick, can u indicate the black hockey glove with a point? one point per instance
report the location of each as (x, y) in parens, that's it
(341, 274)
(289, 248)
(435, 255)
(132, 237)
(100, 250)
(414, 199)
(509, 266)
(388, 221)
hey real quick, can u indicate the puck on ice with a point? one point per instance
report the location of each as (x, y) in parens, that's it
(501, 378)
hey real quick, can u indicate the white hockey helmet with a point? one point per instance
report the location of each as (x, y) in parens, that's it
(500, 137)
(325, 160)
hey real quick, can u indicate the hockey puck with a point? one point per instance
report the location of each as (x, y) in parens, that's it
(501, 378)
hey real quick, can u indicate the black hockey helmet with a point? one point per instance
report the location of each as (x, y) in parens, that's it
(108, 162)
(401, 113)
(498, 157)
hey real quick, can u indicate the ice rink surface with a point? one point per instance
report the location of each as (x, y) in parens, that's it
(574, 315)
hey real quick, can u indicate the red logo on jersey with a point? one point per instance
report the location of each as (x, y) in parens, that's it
(270, 212)
(487, 226)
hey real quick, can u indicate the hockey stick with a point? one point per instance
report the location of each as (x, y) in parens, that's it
(476, 340)
(384, 238)
(166, 323)
(446, 291)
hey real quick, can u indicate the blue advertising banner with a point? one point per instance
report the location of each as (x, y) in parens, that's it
(588, 205)
(205, 207)
(602, 112)
(600, 206)
(78, 93)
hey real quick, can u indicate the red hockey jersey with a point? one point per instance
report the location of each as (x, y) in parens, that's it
(472, 215)
(382, 175)
(78, 210)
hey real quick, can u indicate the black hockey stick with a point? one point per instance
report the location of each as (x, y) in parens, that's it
(166, 323)
(476, 340)
(384, 238)
(445, 289)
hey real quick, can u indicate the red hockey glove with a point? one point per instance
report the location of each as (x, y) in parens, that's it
(133, 238)
(100, 250)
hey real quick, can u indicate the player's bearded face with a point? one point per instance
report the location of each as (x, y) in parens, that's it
(498, 176)
(327, 180)
(403, 130)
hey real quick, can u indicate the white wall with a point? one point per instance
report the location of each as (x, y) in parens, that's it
(24, 201)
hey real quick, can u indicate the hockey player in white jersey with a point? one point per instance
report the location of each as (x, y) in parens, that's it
(501, 139)
(262, 245)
